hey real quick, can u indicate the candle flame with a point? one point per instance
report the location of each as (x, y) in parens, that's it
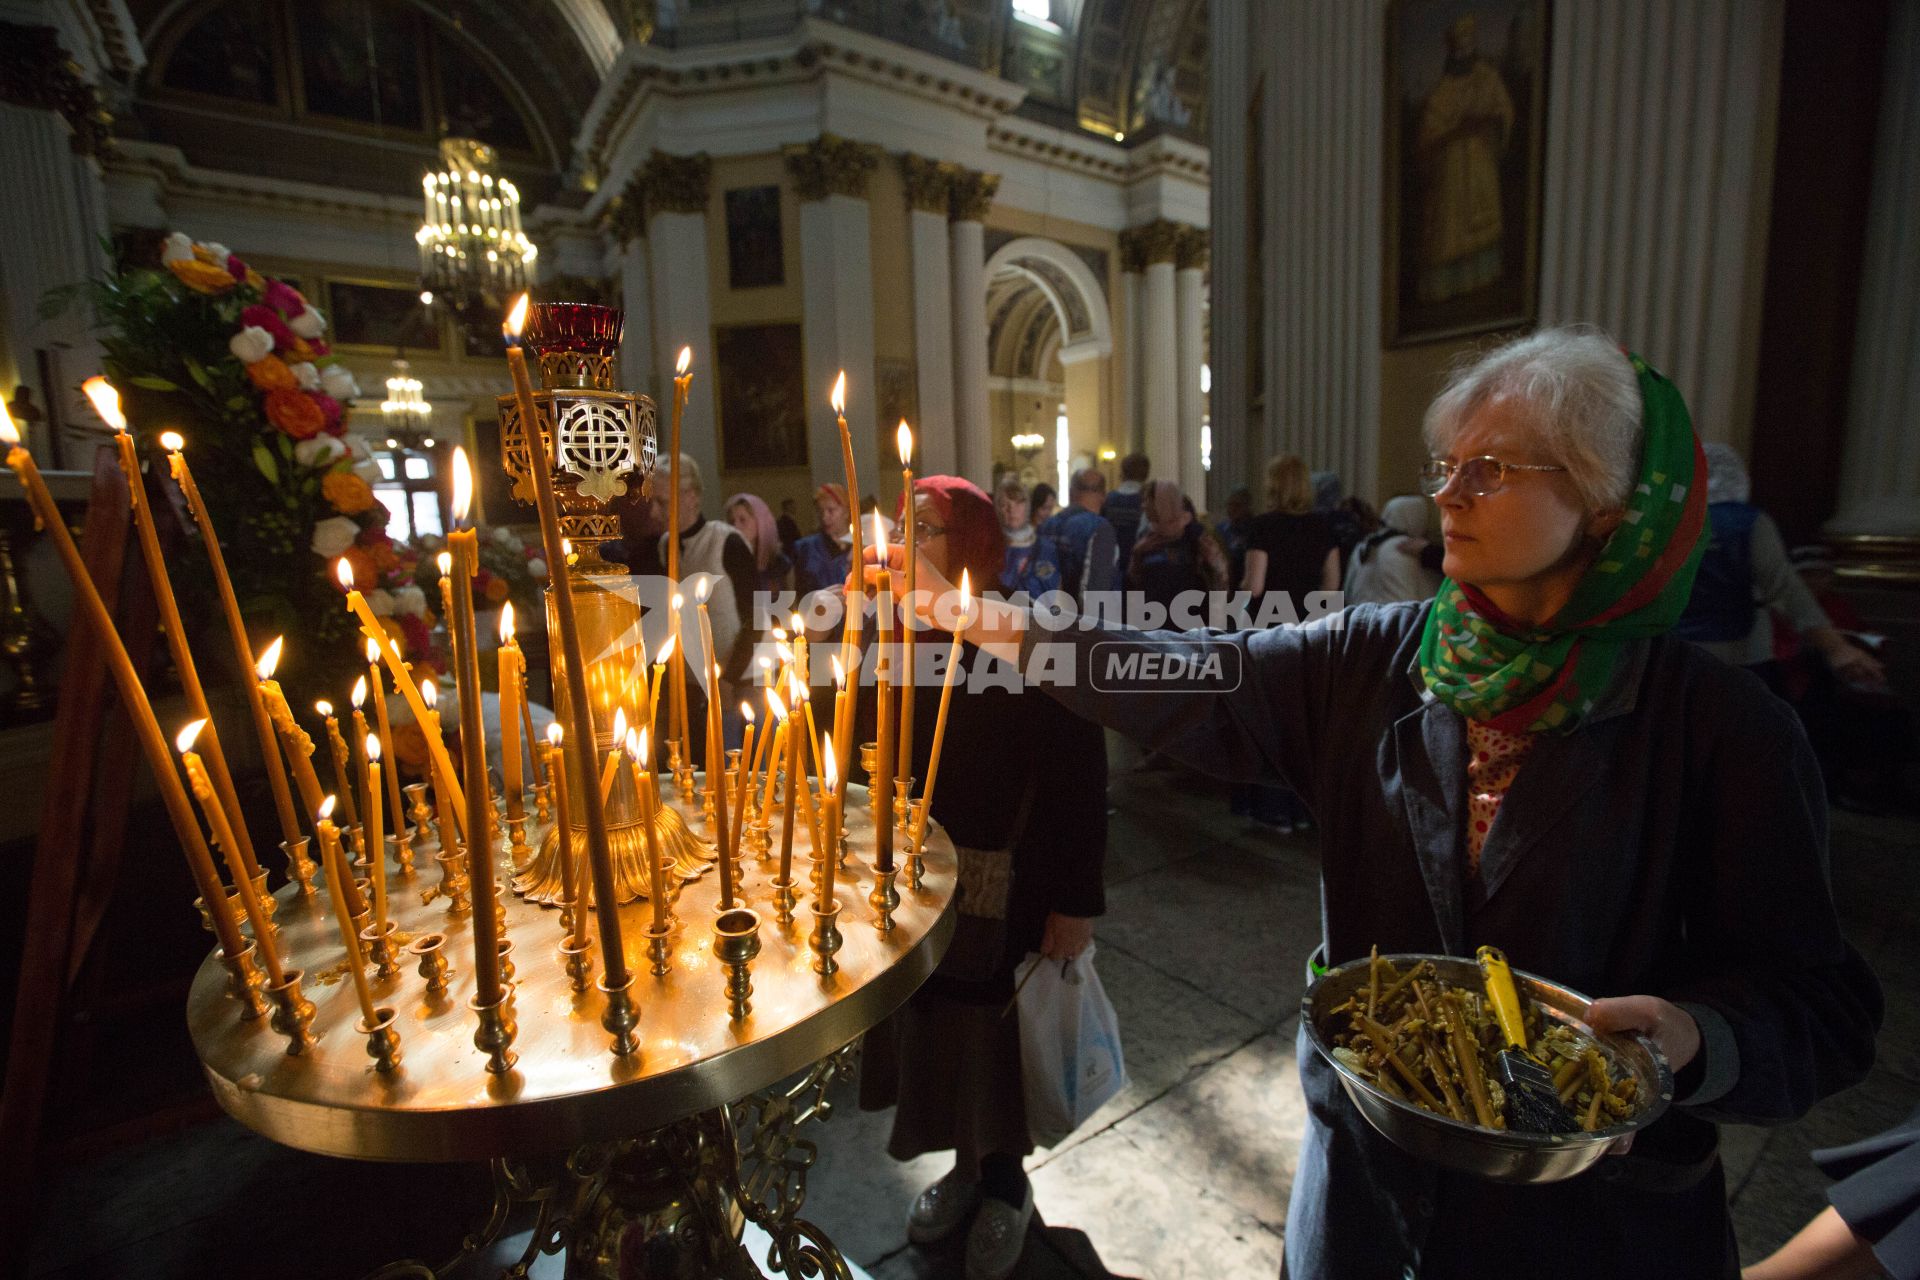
(679, 602)
(666, 651)
(9, 433)
(685, 361)
(106, 401)
(903, 440)
(373, 651)
(839, 397)
(324, 707)
(187, 736)
(829, 774)
(619, 726)
(839, 673)
(445, 562)
(506, 623)
(430, 694)
(779, 634)
(373, 746)
(555, 733)
(746, 711)
(516, 319)
(795, 622)
(462, 485)
(705, 589)
(359, 694)
(633, 744)
(777, 705)
(325, 810)
(270, 660)
(966, 593)
(172, 441)
(566, 549)
(879, 537)
(343, 573)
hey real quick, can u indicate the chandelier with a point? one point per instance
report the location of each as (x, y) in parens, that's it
(471, 245)
(406, 403)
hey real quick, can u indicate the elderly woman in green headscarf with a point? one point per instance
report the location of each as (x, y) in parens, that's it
(1530, 761)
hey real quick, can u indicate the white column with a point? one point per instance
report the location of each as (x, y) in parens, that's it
(933, 340)
(636, 346)
(1132, 436)
(1160, 358)
(1880, 470)
(972, 422)
(836, 278)
(1191, 353)
(683, 318)
(51, 224)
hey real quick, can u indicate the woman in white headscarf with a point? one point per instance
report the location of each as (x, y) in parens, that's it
(1386, 565)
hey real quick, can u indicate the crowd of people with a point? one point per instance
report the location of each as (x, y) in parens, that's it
(1503, 585)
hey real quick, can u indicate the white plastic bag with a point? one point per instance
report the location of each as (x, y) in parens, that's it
(1070, 1058)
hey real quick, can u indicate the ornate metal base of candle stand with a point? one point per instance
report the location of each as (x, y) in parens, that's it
(707, 1138)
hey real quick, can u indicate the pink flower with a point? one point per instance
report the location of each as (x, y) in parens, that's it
(414, 628)
(331, 408)
(236, 268)
(319, 348)
(267, 318)
(285, 298)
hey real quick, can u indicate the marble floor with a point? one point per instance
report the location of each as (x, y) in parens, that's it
(1185, 1174)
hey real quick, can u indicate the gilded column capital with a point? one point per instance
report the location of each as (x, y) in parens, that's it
(626, 215)
(1190, 250)
(675, 184)
(1145, 246)
(832, 166)
(929, 183)
(36, 72)
(973, 194)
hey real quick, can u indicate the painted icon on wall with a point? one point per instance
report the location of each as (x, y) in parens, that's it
(762, 390)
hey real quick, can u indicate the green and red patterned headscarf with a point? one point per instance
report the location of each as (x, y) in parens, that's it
(1544, 679)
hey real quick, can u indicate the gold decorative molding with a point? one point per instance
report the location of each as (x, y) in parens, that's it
(973, 194)
(1190, 250)
(1878, 559)
(832, 166)
(929, 182)
(626, 216)
(676, 184)
(1156, 242)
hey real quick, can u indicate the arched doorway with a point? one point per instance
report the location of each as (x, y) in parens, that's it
(1049, 341)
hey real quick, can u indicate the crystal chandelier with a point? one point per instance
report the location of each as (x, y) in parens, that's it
(471, 245)
(406, 404)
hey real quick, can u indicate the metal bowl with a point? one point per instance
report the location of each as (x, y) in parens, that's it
(1498, 1154)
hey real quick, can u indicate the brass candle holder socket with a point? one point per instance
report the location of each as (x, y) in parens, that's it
(543, 802)
(269, 905)
(784, 900)
(383, 1042)
(379, 940)
(400, 847)
(660, 949)
(292, 1012)
(759, 839)
(506, 965)
(234, 911)
(431, 950)
(622, 1016)
(825, 939)
(916, 862)
(577, 959)
(419, 807)
(869, 760)
(494, 1037)
(736, 941)
(300, 866)
(884, 899)
(903, 803)
(517, 848)
(453, 884)
(244, 981)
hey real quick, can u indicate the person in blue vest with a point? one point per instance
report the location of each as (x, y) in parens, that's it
(1124, 506)
(821, 559)
(1078, 545)
(1745, 577)
(1011, 508)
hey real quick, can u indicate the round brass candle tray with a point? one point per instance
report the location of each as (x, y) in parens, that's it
(689, 1128)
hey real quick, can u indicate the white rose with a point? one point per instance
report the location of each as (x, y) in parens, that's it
(410, 602)
(337, 381)
(537, 567)
(505, 536)
(306, 375)
(251, 345)
(320, 452)
(177, 248)
(332, 537)
(219, 251)
(369, 471)
(380, 600)
(357, 445)
(309, 324)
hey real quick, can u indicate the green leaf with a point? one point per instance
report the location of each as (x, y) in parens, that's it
(239, 404)
(198, 372)
(150, 382)
(263, 459)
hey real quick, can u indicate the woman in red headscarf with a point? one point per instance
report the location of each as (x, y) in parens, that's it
(1023, 782)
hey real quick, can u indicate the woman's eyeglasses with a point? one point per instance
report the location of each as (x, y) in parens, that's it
(922, 532)
(1481, 476)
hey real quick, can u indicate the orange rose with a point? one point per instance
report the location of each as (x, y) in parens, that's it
(410, 746)
(201, 277)
(301, 349)
(385, 558)
(349, 494)
(366, 574)
(255, 280)
(498, 591)
(295, 413)
(270, 373)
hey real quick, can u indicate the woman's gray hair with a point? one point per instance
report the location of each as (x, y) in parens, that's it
(1585, 397)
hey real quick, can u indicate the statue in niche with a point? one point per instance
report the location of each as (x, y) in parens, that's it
(1162, 103)
(943, 24)
(1464, 127)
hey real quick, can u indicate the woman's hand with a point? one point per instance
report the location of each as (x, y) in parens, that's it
(1849, 661)
(1065, 936)
(1669, 1026)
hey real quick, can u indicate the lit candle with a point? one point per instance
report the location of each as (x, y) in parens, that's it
(715, 761)
(510, 701)
(173, 443)
(830, 798)
(106, 402)
(659, 680)
(774, 753)
(573, 666)
(677, 695)
(398, 806)
(298, 745)
(465, 548)
(446, 802)
(790, 728)
(611, 770)
(717, 773)
(940, 722)
(744, 782)
(682, 381)
(376, 835)
(335, 862)
(526, 727)
(132, 693)
(402, 680)
(903, 439)
(223, 837)
(563, 835)
(337, 748)
(361, 732)
(855, 596)
(766, 743)
(882, 782)
(649, 808)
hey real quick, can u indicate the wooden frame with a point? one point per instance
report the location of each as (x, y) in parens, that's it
(336, 334)
(1461, 205)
